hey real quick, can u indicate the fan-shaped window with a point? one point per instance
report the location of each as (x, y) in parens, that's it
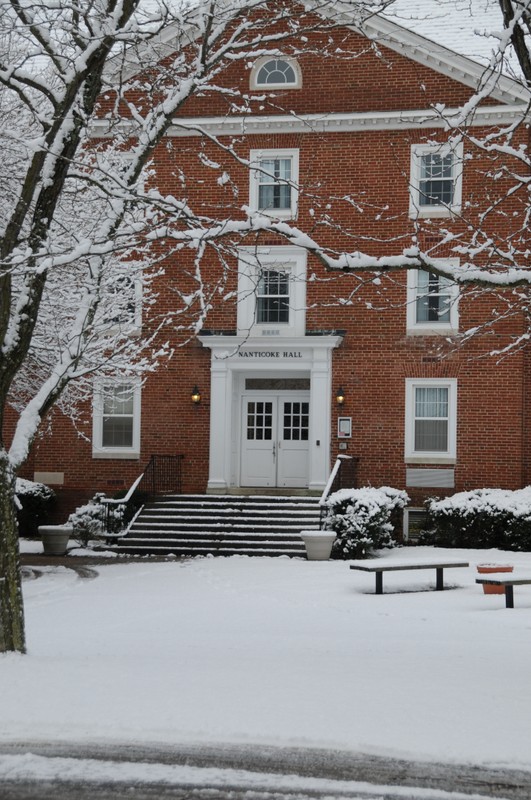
(276, 73)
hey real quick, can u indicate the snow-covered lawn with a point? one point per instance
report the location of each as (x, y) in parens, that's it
(277, 651)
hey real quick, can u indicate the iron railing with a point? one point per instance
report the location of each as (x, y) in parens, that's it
(163, 475)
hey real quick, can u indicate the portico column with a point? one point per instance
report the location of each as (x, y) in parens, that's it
(320, 394)
(220, 425)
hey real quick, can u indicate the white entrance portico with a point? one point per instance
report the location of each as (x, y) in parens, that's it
(270, 409)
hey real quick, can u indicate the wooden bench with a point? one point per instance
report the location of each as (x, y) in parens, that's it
(379, 568)
(508, 583)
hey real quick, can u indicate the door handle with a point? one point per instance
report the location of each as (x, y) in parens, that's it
(274, 451)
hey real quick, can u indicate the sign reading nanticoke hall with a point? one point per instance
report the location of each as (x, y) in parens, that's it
(269, 354)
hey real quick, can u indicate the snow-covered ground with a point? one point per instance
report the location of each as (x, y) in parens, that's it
(277, 651)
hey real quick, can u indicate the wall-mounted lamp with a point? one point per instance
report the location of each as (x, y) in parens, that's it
(196, 395)
(340, 396)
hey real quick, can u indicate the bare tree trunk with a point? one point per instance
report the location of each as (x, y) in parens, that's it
(12, 636)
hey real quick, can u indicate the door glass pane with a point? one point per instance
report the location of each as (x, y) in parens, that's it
(259, 421)
(295, 421)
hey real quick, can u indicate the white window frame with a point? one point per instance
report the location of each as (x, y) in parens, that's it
(264, 60)
(252, 261)
(416, 208)
(447, 456)
(98, 450)
(431, 326)
(256, 157)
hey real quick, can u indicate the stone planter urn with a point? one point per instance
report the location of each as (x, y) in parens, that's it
(318, 544)
(55, 538)
(492, 569)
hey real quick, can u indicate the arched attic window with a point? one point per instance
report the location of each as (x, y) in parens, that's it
(276, 73)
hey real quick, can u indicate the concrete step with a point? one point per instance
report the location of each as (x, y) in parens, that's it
(222, 525)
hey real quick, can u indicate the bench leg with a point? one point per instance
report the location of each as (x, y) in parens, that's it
(379, 582)
(509, 597)
(439, 583)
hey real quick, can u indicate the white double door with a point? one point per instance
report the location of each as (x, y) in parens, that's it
(275, 440)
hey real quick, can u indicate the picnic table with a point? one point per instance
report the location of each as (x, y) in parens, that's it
(379, 566)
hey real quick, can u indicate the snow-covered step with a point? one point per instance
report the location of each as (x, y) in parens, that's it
(223, 525)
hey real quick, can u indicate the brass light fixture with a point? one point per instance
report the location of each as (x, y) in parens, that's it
(196, 395)
(340, 396)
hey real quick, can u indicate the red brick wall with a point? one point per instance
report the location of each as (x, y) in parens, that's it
(376, 356)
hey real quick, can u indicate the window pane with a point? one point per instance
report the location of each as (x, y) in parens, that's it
(273, 282)
(431, 435)
(431, 402)
(433, 165)
(118, 399)
(272, 191)
(433, 298)
(272, 304)
(117, 432)
(433, 308)
(276, 71)
(272, 169)
(274, 196)
(431, 419)
(272, 309)
(436, 185)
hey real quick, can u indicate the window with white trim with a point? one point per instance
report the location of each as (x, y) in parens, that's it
(274, 179)
(431, 420)
(432, 302)
(276, 73)
(272, 291)
(272, 297)
(436, 180)
(116, 420)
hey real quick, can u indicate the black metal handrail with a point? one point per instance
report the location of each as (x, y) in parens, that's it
(163, 475)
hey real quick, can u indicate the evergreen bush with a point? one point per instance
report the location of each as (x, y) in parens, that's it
(363, 519)
(35, 503)
(483, 518)
(88, 521)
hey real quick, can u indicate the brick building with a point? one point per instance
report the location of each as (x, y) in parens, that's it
(296, 361)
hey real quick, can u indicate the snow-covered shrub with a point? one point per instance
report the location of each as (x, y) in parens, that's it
(34, 503)
(89, 521)
(482, 518)
(362, 519)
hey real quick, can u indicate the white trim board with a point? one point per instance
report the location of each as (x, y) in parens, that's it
(319, 123)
